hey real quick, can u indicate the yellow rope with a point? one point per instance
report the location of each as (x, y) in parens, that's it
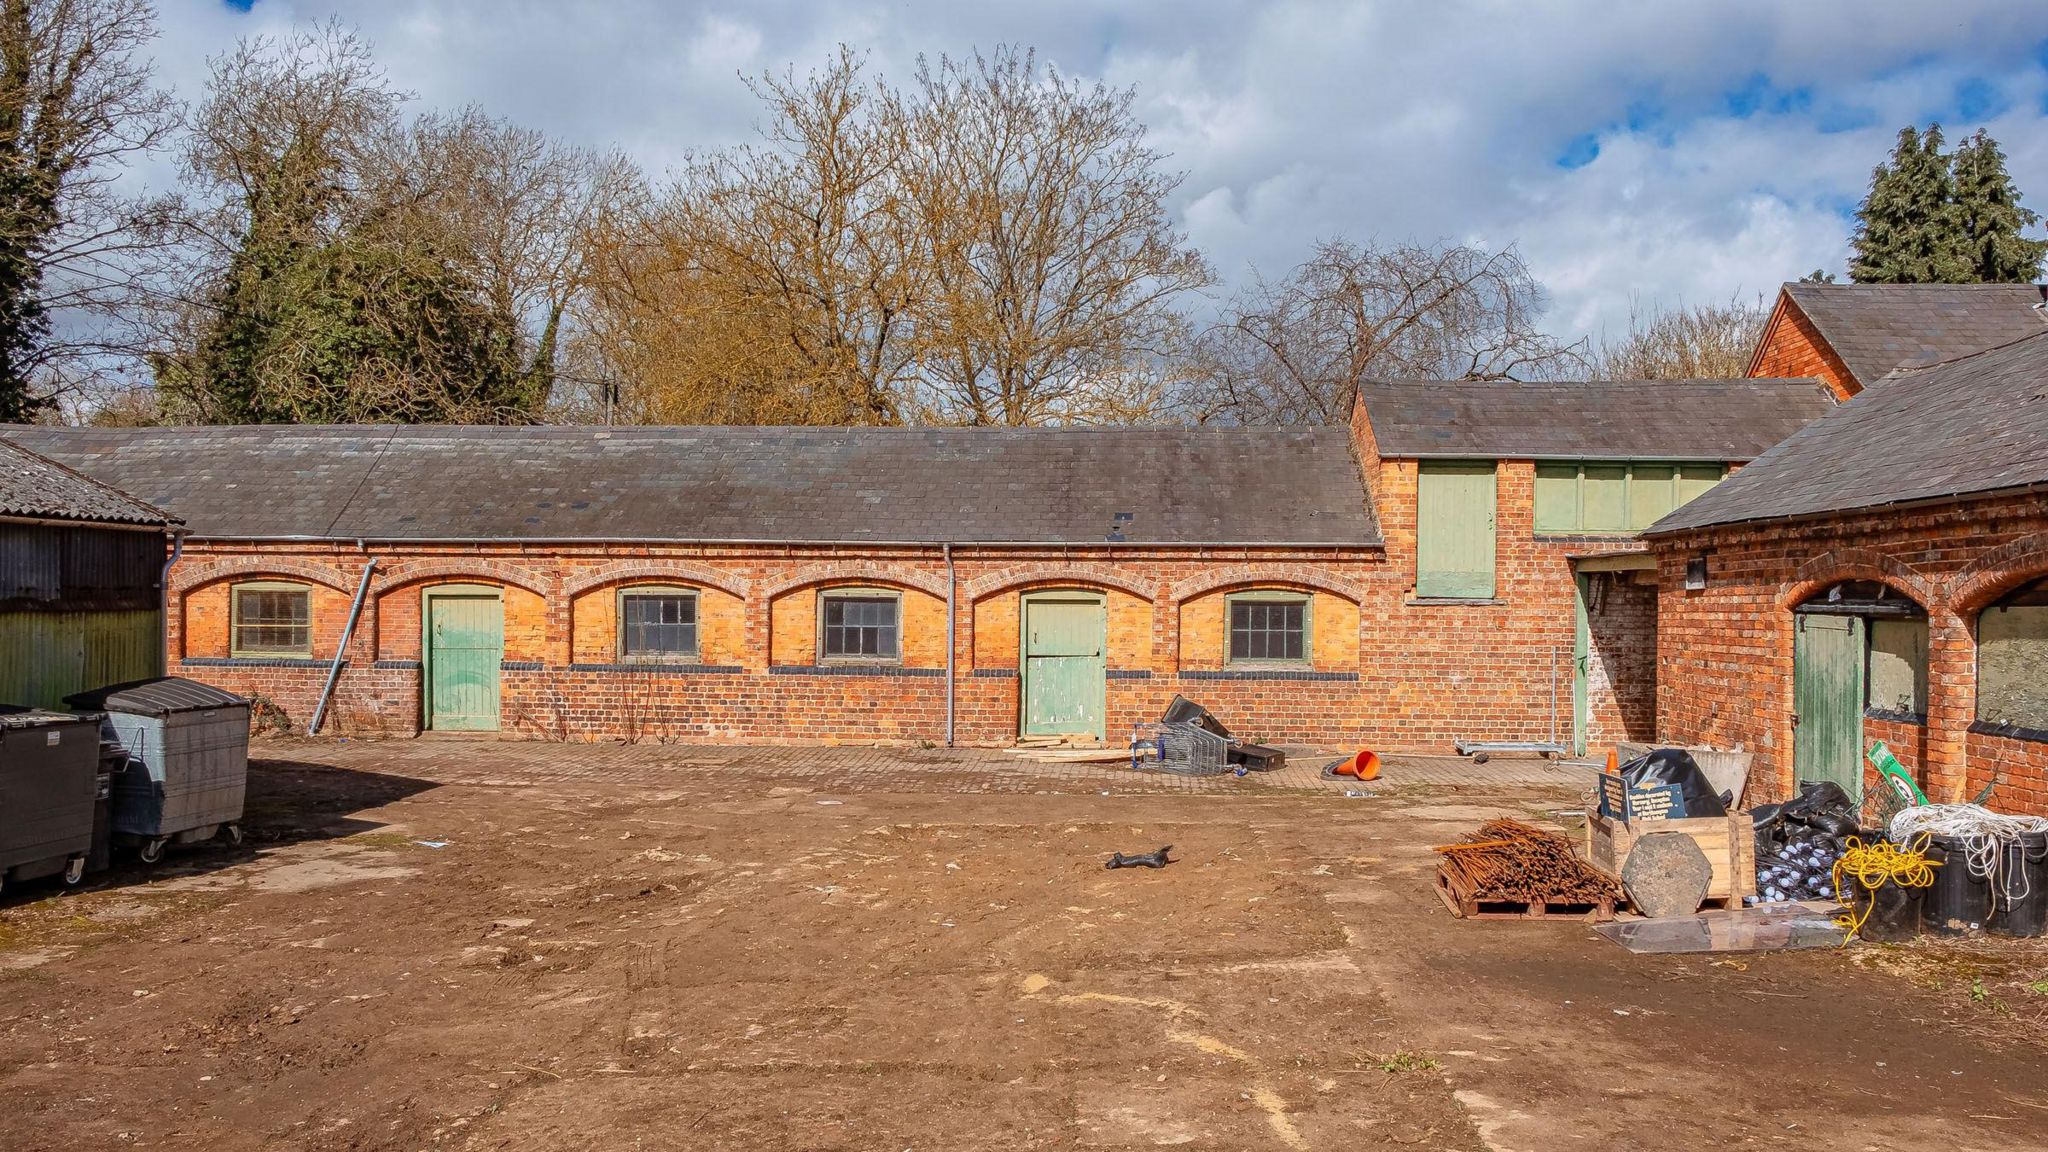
(1872, 867)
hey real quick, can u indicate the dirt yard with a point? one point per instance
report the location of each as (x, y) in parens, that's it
(475, 945)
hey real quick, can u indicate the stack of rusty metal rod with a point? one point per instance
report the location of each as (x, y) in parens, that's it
(1510, 860)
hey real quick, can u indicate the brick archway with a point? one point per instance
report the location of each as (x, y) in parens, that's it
(463, 568)
(1997, 572)
(1243, 575)
(1090, 575)
(679, 571)
(1831, 568)
(189, 575)
(857, 572)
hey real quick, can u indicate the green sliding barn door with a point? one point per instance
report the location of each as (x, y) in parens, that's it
(465, 644)
(1827, 700)
(1454, 530)
(1063, 666)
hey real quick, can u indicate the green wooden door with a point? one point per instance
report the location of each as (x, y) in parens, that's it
(1454, 529)
(465, 644)
(1827, 701)
(1063, 666)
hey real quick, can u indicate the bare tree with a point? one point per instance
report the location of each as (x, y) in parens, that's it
(1703, 341)
(1293, 350)
(509, 205)
(991, 246)
(774, 281)
(76, 102)
(1054, 267)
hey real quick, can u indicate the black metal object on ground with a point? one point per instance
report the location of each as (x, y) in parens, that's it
(1141, 860)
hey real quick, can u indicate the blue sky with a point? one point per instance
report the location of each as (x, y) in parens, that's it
(1639, 155)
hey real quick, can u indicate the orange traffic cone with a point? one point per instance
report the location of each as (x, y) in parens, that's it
(1364, 766)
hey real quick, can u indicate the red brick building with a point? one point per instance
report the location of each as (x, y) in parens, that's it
(1882, 574)
(1407, 583)
(1850, 336)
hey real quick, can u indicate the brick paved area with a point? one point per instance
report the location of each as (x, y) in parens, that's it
(886, 769)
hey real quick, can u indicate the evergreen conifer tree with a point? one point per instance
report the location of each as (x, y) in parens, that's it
(1989, 216)
(1906, 230)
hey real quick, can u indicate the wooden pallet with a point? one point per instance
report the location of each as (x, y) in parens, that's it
(1592, 913)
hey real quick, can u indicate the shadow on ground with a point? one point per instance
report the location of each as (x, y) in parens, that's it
(288, 802)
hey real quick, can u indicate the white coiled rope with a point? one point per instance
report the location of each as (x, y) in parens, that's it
(1985, 836)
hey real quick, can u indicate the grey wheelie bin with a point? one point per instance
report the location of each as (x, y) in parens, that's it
(188, 767)
(49, 781)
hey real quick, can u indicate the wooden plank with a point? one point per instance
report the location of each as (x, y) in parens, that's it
(1071, 755)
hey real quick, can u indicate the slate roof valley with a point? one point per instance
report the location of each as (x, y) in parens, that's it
(1177, 486)
(1970, 426)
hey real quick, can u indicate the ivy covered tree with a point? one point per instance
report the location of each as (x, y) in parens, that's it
(1935, 218)
(355, 266)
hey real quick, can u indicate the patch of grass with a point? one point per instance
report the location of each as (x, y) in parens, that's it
(379, 840)
(2038, 987)
(1399, 1062)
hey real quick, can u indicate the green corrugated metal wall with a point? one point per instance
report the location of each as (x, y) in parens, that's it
(46, 656)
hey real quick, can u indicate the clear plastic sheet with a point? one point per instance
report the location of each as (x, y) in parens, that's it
(1772, 928)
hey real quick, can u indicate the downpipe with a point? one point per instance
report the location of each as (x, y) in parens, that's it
(951, 585)
(355, 612)
(163, 599)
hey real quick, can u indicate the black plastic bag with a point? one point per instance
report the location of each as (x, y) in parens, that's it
(1676, 766)
(1818, 796)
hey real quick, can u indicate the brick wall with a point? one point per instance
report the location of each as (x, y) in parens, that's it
(760, 678)
(1792, 347)
(1726, 651)
(1384, 670)
(1491, 671)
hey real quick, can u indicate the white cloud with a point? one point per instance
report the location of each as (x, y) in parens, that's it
(1302, 120)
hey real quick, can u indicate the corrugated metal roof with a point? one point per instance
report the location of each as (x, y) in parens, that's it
(1974, 425)
(816, 485)
(1876, 328)
(1705, 420)
(40, 488)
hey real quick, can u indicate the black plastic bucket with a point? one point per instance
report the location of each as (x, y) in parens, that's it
(1958, 903)
(1893, 911)
(2019, 901)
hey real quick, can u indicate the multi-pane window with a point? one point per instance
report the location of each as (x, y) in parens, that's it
(272, 620)
(859, 626)
(1616, 497)
(1269, 629)
(2012, 660)
(658, 625)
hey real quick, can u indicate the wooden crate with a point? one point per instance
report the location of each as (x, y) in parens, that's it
(1729, 843)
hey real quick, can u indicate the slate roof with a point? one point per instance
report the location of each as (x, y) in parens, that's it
(1875, 328)
(1973, 425)
(799, 485)
(1704, 420)
(38, 487)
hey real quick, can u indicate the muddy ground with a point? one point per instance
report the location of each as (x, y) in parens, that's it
(490, 946)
